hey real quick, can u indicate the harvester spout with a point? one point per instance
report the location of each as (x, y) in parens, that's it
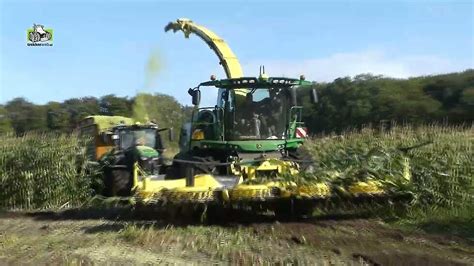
(227, 58)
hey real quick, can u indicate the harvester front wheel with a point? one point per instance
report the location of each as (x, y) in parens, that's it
(183, 162)
(205, 165)
(303, 158)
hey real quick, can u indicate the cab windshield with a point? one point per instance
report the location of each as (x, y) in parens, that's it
(137, 137)
(258, 113)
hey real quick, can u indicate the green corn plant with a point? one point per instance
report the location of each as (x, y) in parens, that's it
(46, 170)
(437, 159)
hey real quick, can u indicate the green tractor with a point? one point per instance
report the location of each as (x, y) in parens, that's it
(122, 146)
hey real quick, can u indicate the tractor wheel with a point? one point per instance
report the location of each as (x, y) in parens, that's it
(304, 160)
(118, 182)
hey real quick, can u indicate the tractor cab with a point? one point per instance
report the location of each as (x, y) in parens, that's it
(126, 137)
(122, 146)
(120, 134)
(139, 143)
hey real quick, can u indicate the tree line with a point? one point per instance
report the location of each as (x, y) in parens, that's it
(20, 115)
(344, 103)
(368, 99)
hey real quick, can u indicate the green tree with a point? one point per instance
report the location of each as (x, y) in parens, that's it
(78, 108)
(114, 105)
(25, 116)
(57, 117)
(466, 105)
(162, 109)
(5, 123)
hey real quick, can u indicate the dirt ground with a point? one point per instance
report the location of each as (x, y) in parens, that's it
(77, 238)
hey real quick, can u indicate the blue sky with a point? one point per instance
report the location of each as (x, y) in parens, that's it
(103, 47)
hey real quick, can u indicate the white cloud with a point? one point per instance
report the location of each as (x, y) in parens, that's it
(351, 64)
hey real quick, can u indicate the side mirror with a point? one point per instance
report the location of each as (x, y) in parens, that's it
(293, 96)
(313, 96)
(196, 96)
(171, 134)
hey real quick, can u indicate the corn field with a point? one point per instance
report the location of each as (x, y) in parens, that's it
(39, 171)
(437, 159)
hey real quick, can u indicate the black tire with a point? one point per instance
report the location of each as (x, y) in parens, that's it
(208, 168)
(181, 169)
(303, 158)
(177, 169)
(173, 172)
(118, 181)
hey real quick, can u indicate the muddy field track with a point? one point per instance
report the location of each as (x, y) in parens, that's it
(114, 236)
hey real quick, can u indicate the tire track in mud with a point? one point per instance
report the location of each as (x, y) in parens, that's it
(344, 241)
(371, 242)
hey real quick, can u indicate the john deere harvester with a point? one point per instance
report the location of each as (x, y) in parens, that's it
(251, 142)
(255, 131)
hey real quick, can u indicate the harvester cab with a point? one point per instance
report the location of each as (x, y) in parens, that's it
(252, 115)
